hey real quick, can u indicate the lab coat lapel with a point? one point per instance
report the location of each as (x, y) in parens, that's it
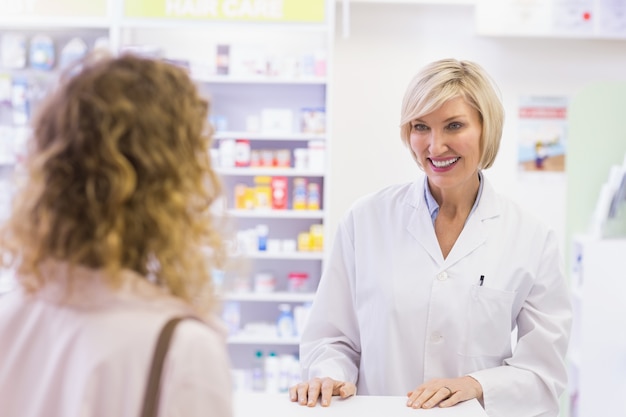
(475, 232)
(419, 223)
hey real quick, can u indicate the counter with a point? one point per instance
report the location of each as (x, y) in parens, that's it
(278, 405)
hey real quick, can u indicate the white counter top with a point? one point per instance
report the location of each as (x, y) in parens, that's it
(279, 405)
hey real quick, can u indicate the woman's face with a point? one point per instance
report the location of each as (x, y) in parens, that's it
(446, 143)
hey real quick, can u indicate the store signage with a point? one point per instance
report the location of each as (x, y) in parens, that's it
(244, 10)
(53, 8)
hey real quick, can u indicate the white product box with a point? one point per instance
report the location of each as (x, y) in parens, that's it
(276, 121)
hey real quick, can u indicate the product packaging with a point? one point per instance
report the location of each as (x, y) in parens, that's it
(258, 372)
(262, 231)
(304, 242)
(279, 193)
(316, 155)
(263, 192)
(297, 282)
(313, 196)
(264, 282)
(316, 233)
(301, 158)
(272, 371)
(42, 53)
(299, 201)
(222, 59)
(285, 325)
(242, 153)
(76, 48)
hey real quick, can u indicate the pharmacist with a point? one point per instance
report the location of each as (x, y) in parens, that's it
(427, 281)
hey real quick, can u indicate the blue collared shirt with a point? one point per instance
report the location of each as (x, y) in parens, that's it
(433, 206)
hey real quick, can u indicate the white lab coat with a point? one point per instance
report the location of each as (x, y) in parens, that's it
(390, 313)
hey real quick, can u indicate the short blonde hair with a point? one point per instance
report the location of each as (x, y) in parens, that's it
(119, 177)
(444, 80)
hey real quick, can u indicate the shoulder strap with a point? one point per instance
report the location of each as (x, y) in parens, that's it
(150, 406)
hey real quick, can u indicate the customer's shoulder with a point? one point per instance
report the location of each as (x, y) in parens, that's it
(205, 334)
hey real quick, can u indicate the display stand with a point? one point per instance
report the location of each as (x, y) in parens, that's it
(598, 345)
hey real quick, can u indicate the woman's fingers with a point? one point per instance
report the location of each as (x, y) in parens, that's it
(444, 392)
(307, 393)
(345, 389)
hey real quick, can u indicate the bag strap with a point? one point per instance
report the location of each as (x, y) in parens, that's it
(150, 406)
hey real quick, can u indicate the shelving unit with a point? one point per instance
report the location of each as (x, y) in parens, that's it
(277, 61)
(278, 66)
(596, 354)
(23, 84)
(586, 19)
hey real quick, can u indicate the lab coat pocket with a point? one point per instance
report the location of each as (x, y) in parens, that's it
(488, 330)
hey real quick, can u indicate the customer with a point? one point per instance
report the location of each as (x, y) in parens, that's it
(427, 280)
(110, 236)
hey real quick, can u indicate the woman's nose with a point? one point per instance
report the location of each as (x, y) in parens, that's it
(436, 142)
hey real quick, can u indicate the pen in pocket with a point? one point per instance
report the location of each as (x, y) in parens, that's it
(482, 278)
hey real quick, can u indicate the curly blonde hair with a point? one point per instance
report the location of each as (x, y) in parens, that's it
(118, 176)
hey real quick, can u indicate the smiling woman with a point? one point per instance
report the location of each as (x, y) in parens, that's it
(425, 302)
(446, 144)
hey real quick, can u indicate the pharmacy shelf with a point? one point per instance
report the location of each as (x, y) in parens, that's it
(261, 79)
(270, 297)
(598, 342)
(286, 172)
(301, 256)
(26, 22)
(234, 26)
(242, 339)
(276, 214)
(297, 57)
(295, 136)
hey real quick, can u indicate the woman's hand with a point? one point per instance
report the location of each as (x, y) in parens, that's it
(445, 392)
(307, 393)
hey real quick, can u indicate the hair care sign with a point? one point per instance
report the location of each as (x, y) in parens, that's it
(229, 10)
(53, 8)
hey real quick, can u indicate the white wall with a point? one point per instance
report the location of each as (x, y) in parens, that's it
(388, 43)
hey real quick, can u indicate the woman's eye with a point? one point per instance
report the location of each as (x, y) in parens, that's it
(420, 127)
(455, 126)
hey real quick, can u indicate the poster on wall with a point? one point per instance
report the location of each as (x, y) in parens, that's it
(542, 134)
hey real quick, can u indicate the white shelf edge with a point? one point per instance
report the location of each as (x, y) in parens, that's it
(551, 35)
(276, 214)
(268, 136)
(281, 296)
(302, 256)
(235, 79)
(287, 172)
(42, 23)
(130, 23)
(262, 340)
